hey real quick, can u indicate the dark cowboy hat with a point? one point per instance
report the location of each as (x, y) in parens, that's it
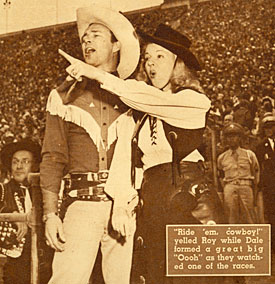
(24, 144)
(174, 41)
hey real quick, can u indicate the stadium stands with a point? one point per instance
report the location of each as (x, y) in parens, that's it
(233, 39)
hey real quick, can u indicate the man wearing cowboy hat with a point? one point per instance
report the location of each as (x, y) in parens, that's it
(265, 152)
(239, 173)
(79, 141)
(20, 159)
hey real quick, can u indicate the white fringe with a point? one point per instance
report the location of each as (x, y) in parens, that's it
(119, 122)
(76, 115)
(112, 132)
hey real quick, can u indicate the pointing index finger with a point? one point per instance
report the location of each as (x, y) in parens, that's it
(67, 56)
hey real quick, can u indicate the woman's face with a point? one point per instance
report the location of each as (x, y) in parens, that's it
(159, 65)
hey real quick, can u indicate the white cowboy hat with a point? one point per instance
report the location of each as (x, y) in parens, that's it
(121, 28)
(268, 119)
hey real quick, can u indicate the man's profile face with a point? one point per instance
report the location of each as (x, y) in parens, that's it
(97, 46)
(21, 165)
(228, 119)
(269, 131)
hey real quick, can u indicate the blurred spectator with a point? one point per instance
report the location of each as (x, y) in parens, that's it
(242, 114)
(227, 119)
(267, 104)
(239, 176)
(266, 155)
(227, 107)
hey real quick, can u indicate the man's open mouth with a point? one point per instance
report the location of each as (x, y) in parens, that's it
(89, 50)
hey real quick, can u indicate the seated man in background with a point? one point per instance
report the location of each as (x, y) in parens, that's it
(20, 159)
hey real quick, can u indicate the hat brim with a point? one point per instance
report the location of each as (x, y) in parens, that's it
(236, 132)
(122, 30)
(24, 145)
(268, 123)
(182, 52)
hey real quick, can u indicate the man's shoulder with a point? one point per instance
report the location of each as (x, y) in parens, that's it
(224, 155)
(54, 99)
(69, 90)
(64, 86)
(247, 152)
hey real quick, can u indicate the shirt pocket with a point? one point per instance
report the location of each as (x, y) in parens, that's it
(244, 166)
(229, 164)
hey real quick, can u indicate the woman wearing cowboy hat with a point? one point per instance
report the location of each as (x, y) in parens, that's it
(171, 161)
(166, 139)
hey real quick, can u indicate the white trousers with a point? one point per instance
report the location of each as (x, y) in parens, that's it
(86, 226)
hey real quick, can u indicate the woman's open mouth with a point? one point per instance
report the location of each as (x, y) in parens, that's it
(152, 74)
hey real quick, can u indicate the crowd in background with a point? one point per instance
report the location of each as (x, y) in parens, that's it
(233, 39)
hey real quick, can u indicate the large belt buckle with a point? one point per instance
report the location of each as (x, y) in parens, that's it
(85, 191)
(97, 192)
(234, 182)
(103, 175)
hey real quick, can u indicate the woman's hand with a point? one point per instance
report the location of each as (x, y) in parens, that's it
(120, 221)
(78, 68)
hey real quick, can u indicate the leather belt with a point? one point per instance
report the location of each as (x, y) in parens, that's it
(86, 186)
(90, 195)
(101, 176)
(240, 182)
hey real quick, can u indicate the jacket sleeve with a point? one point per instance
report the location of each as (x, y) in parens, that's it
(185, 109)
(54, 161)
(119, 185)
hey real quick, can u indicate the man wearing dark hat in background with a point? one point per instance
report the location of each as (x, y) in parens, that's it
(79, 141)
(267, 104)
(265, 152)
(239, 176)
(20, 159)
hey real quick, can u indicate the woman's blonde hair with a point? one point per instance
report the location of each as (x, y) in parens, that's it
(182, 77)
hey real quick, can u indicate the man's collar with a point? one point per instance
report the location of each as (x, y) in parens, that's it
(24, 183)
(237, 150)
(115, 73)
(271, 141)
(71, 90)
